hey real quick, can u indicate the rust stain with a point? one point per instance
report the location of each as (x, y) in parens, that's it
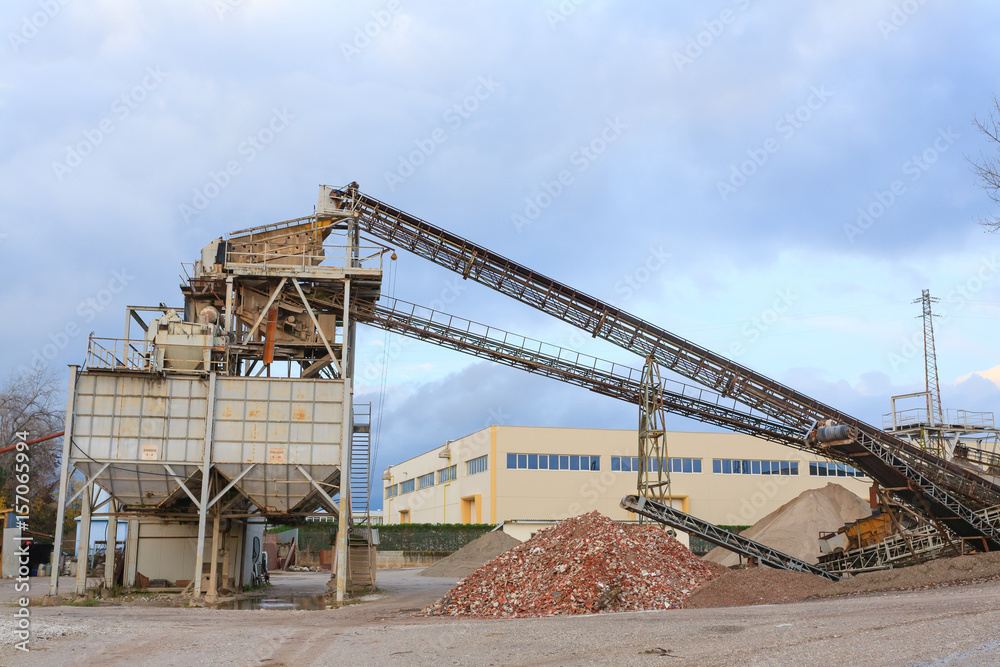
(227, 411)
(254, 413)
(299, 414)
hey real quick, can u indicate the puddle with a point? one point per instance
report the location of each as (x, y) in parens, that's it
(275, 602)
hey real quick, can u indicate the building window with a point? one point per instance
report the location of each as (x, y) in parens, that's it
(478, 465)
(446, 474)
(831, 469)
(552, 462)
(631, 464)
(426, 480)
(754, 467)
(391, 491)
(406, 487)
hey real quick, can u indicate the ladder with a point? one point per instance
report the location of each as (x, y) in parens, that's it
(361, 547)
(360, 473)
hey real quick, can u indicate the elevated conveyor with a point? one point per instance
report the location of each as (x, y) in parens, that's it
(924, 481)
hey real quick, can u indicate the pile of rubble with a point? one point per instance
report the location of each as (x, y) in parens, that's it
(582, 565)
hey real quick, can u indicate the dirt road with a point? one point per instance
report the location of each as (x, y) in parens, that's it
(953, 626)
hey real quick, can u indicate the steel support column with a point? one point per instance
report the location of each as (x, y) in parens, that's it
(110, 543)
(213, 568)
(63, 484)
(344, 521)
(83, 543)
(199, 556)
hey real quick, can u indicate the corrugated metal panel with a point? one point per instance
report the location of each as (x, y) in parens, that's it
(140, 422)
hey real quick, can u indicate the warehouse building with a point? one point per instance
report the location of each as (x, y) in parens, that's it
(534, 476)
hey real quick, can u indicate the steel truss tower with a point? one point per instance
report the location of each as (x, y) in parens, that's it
(930, 357)
(654, 464)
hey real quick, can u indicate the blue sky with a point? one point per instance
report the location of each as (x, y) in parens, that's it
(775, 181)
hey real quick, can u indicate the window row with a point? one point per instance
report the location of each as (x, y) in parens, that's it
(552, 462)
(831, 469)
(631, 464)
(475, 466)
(447, 474)
(478, 465)
(753, 467)
(627, 464)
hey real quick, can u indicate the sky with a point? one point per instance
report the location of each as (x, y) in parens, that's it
(774, 181)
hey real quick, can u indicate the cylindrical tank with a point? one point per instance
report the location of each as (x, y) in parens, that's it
(838, 432)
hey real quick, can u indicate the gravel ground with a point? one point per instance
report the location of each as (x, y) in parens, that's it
(757, 585)
(951, 626)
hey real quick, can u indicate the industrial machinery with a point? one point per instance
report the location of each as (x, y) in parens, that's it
(190, 422)
(189, 417)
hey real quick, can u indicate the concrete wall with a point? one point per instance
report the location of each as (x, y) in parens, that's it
(167, 551)
(556, 494)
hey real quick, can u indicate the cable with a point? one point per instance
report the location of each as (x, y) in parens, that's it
(393, 273)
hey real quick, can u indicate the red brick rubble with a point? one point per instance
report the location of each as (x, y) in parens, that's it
(586, 564)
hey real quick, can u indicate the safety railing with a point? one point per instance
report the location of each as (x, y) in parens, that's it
(469, 335)
(119, 354)
(285, 256)
(950, 418)
(116, 354)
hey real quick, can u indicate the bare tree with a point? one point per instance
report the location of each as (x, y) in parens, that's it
(987, 167)
(30, 401)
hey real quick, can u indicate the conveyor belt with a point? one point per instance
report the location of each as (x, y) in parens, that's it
(721, 537)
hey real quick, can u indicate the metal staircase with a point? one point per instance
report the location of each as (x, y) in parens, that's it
(360, 474)
(361, 542)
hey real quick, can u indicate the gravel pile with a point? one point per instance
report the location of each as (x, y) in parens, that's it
(794, 527)
(933, 574)
(472, 556)
(757, 585)
(582, 565)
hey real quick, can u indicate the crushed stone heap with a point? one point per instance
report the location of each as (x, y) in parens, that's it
(582, 565)
(794, 527)
(473, 555)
